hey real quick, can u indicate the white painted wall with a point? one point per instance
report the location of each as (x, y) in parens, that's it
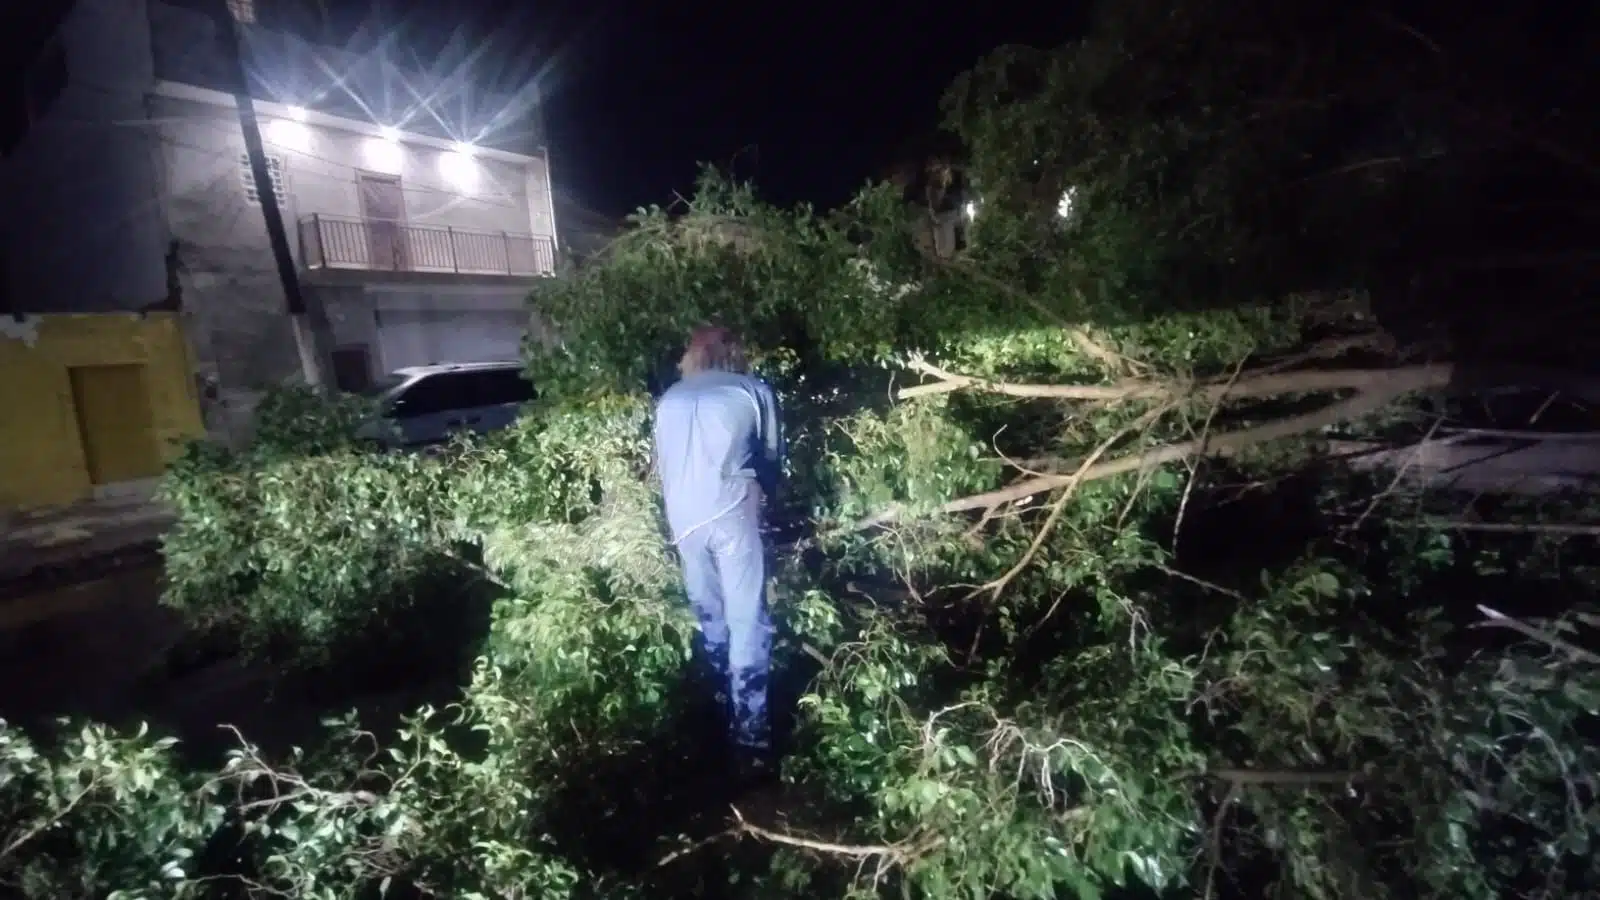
(82, 228)
(323, 180)
(205, 143)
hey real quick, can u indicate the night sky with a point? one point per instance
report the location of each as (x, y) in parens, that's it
(807, 99)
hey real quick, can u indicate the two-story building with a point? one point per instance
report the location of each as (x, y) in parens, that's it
(418, 206)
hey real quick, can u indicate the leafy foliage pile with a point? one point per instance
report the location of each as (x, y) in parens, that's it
(1084, 600)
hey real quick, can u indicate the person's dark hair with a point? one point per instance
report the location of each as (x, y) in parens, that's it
(713, 348)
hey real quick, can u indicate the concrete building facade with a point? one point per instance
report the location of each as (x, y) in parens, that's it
(416, 228)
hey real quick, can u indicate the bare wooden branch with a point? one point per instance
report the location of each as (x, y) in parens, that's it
(1551, 528)
(1214, 843)
(891, 854)
(1399, 475)
(1283, 777)
(1380, 389)
(51, 821)
(1249, 385)
(1142, 423)
(1205, 431)
(1499, 619)
(854, 851)
(1201, 582)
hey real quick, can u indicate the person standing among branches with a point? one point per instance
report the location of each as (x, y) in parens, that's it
(719, 452)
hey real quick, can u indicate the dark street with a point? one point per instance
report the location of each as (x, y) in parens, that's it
(107, 651)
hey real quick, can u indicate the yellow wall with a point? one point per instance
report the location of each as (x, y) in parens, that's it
(42, 453)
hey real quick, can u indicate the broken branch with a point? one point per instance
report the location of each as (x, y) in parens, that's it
(892, 854)
(1250, 385)
(1494, 618)
(1558, 529)
(1073, 480)
(1282, 776)
(1380, 389)
(855, 851)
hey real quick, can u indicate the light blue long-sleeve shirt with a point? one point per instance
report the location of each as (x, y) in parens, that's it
(717, 435)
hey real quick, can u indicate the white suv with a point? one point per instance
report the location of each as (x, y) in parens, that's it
(427, 404)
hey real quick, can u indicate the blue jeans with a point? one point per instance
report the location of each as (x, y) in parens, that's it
(725, 576)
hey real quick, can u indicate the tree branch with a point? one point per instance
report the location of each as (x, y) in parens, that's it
(1251, 385)
(1143, 422)
(1380, 388)
(1214, 844)
(1554, 528)
(894, 854)
(854, 851)
(1495, 618)
(39, 828)
(1282, 776)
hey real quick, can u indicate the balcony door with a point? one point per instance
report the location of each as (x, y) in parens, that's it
(383, 210)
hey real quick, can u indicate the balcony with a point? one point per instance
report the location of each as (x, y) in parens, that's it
(378, 245)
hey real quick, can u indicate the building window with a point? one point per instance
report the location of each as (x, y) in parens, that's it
(243, 10)
(248, 179)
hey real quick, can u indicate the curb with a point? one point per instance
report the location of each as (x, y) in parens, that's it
(19, 584)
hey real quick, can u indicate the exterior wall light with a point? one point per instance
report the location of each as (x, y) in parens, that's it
(459, 170)
(383, 155)
(463, 148)
(289, 135)
(297, 113)
(389, 133)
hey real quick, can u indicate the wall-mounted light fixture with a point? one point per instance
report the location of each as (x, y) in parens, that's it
(297, 113)
(383, 155)
(289, 135)
(459, 169)
(389, 133)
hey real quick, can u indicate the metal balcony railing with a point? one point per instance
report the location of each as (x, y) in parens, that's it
(378, 245)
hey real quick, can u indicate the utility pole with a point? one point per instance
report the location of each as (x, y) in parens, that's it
(310, 328)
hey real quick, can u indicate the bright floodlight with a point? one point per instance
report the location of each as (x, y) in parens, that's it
(389, 133)
(459, 169)
(383, 155)
(297, 113)
(463, 148)
(972, 209)
(289, 135)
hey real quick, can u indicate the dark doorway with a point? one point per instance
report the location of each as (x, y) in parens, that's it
(352, 368)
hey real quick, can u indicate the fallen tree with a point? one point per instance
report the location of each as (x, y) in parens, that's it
(1085, 603)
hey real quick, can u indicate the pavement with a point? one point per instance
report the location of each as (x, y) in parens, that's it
(83, 634)
(42, 550)
(81, 649)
